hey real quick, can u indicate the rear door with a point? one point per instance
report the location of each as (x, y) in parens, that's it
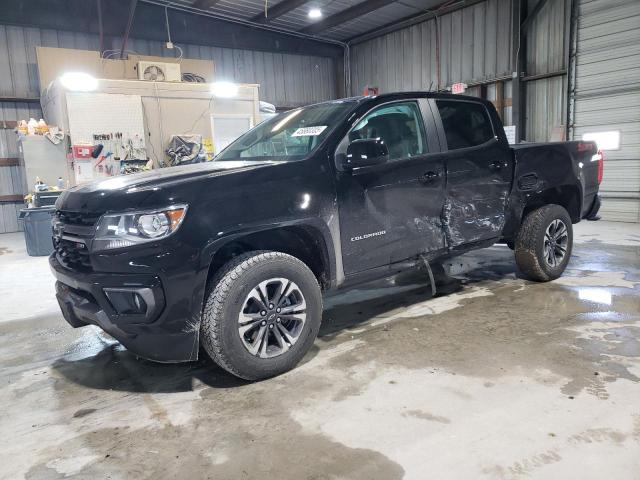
(391, 212)
(479, 170)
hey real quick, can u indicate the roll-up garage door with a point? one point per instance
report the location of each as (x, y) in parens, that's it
(607, 97)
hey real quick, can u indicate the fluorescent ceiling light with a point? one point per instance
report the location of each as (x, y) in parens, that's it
(224, 89)
(315, 13)
(79, 82)
(604, 140)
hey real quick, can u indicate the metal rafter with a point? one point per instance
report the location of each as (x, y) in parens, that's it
(125, 35)
(344, 16)
(279, 9)
(204, 4)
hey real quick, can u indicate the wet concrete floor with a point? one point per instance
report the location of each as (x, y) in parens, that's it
(495, 377)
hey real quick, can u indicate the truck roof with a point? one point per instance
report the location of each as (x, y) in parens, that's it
(412, 94)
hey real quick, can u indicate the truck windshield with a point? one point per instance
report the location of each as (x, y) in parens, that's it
(292, 135)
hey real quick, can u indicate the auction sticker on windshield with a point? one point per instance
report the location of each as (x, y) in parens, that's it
(309, 131)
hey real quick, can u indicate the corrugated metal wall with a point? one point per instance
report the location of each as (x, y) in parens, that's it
(475, 46)
(285, 79)
(546, 98)
(607, 96)
(12, 178)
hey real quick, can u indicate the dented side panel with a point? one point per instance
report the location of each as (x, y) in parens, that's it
(479, 180)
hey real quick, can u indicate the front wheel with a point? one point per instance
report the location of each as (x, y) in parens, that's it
(544, 243)
(262, 314)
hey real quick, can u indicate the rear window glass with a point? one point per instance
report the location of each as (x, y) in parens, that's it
(466, 124)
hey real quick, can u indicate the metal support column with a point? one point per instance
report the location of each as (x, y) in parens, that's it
(518, 60)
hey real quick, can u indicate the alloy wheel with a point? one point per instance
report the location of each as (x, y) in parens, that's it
(556, 241)
(272, 317)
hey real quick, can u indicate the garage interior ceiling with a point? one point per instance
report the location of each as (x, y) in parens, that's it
(341, 19)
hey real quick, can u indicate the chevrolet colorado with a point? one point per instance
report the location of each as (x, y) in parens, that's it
(234, 254)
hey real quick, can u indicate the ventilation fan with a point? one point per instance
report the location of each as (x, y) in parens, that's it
(159, 72)
(153, 72)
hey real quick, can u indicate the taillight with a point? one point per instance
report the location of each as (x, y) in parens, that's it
(599, 157)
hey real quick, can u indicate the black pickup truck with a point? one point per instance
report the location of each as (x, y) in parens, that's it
(234, 254)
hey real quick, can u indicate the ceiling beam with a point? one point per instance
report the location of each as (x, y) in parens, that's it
(187, 27)
(279, 9)
(204, 4)
(344, 16)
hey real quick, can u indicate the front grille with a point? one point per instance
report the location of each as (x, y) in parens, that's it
(77, 218)
(73, 255)
(73, 233)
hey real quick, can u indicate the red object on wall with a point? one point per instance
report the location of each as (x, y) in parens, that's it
(82, 151)
(458, 88)
(370, 91)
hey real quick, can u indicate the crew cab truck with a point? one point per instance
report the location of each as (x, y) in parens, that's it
(234, 254)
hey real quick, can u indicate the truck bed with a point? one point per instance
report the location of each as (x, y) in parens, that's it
(539, 166)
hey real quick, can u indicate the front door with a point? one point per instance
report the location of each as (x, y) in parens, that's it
(479, 173)
(391, 212)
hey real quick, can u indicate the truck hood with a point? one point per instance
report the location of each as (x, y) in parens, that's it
(159, 177)
(129, 191)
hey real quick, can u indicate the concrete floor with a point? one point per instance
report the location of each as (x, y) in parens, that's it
(496, 377)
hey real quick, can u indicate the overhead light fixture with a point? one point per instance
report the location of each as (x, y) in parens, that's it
(224, 89)
(79, 82)
(315, 13)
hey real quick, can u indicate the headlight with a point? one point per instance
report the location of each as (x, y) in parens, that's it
(132, 228)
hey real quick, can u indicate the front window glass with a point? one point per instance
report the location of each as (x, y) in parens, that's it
(292, 135)
(399, 125)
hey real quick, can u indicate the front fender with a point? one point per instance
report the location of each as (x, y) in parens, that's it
(313, 224)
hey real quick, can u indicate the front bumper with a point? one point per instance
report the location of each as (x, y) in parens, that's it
(154, 334)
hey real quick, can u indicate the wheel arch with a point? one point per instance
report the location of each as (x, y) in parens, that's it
(305, 241)
(567, 196)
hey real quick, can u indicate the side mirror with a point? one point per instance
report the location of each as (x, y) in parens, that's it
(366, 152)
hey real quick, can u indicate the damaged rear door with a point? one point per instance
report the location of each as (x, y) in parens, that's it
(479, 166)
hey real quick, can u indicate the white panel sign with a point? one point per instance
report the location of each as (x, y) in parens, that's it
(510, 132)
(105, 113)
(309, 131)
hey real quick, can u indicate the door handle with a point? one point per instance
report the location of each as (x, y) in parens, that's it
(429, 177)
(496, 165)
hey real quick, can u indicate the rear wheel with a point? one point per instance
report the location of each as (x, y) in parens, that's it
(262, 314)
(544, 243)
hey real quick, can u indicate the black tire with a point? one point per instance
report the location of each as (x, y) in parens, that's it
(226, 298)
(530, 243)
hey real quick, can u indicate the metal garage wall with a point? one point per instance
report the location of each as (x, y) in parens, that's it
(475, 46)
(607, 96)
(12, 178)
(547, 45)
(286, 80)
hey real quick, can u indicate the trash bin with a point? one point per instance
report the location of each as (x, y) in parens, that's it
(38, 230)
